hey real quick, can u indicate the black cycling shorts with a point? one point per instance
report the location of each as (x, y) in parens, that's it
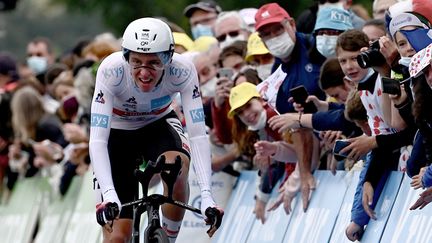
(128, 148)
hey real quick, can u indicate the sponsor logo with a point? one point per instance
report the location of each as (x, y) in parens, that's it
(178, 72)
(99, 97)
(99, 120)
(196, 93)
(113, 72)
(197, 115)
(159, 102)
(308, 67)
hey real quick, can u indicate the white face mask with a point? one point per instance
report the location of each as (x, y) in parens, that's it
(280, 46)
(208, 89)
(262, 121)
(405, 61)
(37, 64)
(264, 71)
(230, 40)
(326, 45)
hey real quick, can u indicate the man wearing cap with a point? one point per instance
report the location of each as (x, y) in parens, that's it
(202, 16)
(278, 32)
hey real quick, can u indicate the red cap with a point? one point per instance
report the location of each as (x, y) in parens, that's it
(270, 13)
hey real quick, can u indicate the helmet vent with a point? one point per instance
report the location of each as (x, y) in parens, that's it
(136, 35)
(154, 37)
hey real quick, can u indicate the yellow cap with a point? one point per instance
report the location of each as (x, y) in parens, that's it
(240, 95)
(203, 43)
(255, 46)
(184, 40)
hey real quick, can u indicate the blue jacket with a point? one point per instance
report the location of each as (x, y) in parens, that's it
(300, 71)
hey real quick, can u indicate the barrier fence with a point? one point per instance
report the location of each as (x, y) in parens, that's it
(33, 214)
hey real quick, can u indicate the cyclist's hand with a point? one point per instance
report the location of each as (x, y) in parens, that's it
(106, 212)
(214, 219)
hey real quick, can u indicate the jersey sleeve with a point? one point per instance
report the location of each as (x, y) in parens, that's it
(195, 124)
(101, 115)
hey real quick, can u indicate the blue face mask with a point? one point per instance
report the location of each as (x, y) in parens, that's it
(201, 30)
(418, 38)
(37, 64)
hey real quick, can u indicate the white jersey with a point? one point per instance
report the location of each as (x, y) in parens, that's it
(119, 103)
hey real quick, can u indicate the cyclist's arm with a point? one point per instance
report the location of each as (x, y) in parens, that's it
(101, 114)
(200, 147)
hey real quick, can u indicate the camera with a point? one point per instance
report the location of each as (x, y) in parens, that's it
(371, 57)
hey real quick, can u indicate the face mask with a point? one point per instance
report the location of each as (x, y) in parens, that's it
(326, 45)
(70, 106)
(209, 88)
(230, 40)
(261, 122)
(280, 46)
(264, 71)
(201, 30)
(418, 38)
(37, 64)
(405, 61)
(368, 75)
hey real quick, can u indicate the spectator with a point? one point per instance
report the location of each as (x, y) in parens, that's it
(379, 7)
(39, 56)
(374, 29)
(256, 140)
(278, 32)
(229, 28)
(202, 16)
(259, 56)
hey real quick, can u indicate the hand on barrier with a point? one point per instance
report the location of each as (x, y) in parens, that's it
(214, 217)
(354, 232)
(367, 200)
(416, 182)
(106, 212)
(308, 184)
(425, 199)
(259, 210)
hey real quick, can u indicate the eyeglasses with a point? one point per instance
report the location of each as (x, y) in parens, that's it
(272, 30)
(231, 34)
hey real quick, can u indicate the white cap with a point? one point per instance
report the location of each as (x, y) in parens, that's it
(403, 20)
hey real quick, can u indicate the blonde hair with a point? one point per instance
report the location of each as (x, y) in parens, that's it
(27, 109)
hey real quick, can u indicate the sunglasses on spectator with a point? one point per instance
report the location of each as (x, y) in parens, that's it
(231, 34)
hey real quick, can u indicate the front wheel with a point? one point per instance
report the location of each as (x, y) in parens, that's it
(158, 236)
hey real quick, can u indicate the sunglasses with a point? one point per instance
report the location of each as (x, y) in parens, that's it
(231, 34)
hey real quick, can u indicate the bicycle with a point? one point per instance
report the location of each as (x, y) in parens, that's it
(151, 203)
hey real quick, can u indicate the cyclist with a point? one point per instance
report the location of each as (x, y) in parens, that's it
(132, 121)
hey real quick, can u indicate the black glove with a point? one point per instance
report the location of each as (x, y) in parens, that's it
(214, 219)
(106, 212)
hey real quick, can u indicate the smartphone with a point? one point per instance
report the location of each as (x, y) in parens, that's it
(390, 86)
(300, 95)
(226, 72)
(338, 146)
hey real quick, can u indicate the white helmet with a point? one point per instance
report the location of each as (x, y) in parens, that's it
(149, 35)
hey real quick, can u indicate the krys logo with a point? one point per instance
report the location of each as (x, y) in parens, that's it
(99, 120)
(197, 115)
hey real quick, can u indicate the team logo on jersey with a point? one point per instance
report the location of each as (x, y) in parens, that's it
(131, 100)
(196, 93)
(99, 97)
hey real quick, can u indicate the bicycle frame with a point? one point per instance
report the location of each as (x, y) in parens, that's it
(151, 203)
